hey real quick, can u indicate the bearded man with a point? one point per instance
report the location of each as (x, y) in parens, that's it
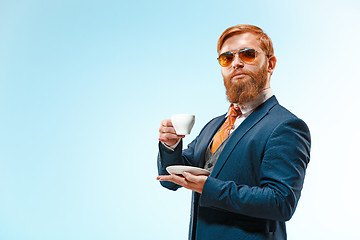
(257, 152)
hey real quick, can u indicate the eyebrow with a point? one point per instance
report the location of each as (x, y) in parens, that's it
(239, 49)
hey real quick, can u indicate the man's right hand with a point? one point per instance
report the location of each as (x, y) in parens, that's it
(168, 134)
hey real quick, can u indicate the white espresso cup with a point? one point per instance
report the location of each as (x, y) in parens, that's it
(183, 123)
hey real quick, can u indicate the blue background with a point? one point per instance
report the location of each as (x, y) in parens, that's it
(84, 86)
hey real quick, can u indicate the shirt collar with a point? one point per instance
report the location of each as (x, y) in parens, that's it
(249, 107)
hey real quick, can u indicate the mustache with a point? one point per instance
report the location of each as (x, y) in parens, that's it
(237, 72)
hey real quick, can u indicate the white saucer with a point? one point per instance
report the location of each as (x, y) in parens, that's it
(179, 169)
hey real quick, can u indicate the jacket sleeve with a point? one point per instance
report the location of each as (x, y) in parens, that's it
(286, 155)
(167, 157)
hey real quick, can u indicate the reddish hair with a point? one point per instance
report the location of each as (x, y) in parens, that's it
(265, 42)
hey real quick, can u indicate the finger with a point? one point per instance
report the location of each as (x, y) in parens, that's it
(190, 177)
(169, 136)
(166, 123)
(182, 182)
(172, 178)
(169, 177)
(163, 129)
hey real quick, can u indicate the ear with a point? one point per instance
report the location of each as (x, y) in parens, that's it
(271, 64)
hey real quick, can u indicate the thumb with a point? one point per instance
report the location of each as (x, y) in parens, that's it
(190, 177)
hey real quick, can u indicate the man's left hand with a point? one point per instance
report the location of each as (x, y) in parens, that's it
(188, 180)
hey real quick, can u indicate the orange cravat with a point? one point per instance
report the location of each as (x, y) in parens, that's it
(224, 131)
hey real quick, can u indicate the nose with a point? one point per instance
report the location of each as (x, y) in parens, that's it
(237, 62)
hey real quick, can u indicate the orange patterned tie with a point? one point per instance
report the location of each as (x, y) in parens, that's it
(224, 131)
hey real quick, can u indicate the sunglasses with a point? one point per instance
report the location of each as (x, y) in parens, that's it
(247, 55)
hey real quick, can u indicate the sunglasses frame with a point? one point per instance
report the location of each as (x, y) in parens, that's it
(234, 52)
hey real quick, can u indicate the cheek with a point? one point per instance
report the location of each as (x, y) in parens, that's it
(256, 69)
(225, 72)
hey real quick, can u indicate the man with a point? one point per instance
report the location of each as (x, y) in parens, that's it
(257, 153)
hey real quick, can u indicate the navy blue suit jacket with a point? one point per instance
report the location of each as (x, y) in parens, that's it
(256, 182)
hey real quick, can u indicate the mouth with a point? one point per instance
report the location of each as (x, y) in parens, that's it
(238, 75)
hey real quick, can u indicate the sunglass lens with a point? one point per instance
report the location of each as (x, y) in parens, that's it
(247, 55)
(225, 59)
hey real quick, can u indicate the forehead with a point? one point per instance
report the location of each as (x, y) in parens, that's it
(240, 41)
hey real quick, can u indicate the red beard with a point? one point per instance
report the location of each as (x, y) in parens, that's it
(246, 89)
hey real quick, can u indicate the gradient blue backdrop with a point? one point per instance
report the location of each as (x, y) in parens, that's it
(85, 84)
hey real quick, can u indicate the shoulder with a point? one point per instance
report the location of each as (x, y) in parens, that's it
(215, 121)
(279, 114)
(284, 116)
(286, 124)
(277, 118)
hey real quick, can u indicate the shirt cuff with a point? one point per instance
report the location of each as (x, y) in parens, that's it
(172, 148)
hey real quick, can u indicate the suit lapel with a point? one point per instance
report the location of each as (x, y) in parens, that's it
(256, 116)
